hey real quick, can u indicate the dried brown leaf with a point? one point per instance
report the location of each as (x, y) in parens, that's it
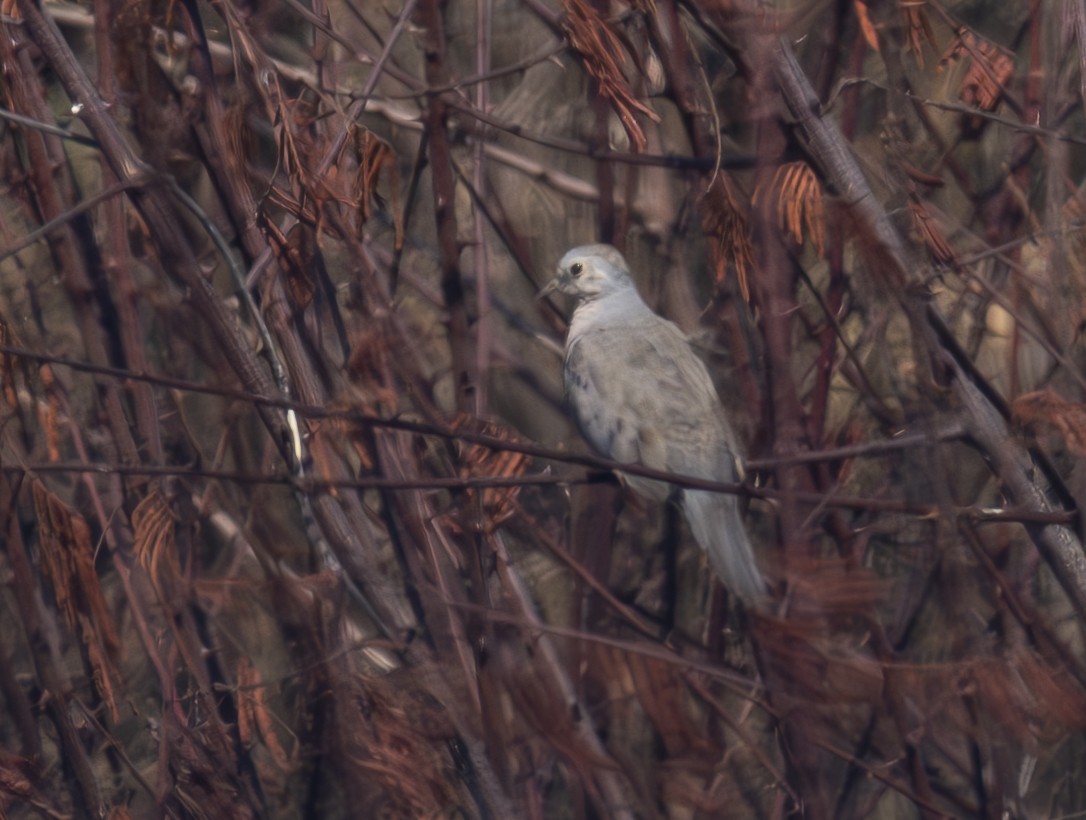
(918, 175)
(295, 254)
(18, 786)
(371, 362)
(301, 280)
(918, 26)
(1048, 407)
(989, 67)
(8, 365)
(538, 705)
(374, 156)
(67, 557)
(725, 223)
(929, 232)
(1026, 696)
(600, 49)
(49, 413)
(396, 736)
(204, 766)
(156, 548)
(867, 28)
(821, 588)
(19, 378)
(240, 138)
(256, 723)
(1018, 698)
(480, 461)
(799, 205)
(13, 775)
(1049, 694)
(663, 696)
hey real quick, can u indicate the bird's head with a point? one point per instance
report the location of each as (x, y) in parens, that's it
(589, 272)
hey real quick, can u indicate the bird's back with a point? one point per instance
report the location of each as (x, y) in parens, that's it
(642, 395)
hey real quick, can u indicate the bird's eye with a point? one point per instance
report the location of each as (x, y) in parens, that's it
(576, 268)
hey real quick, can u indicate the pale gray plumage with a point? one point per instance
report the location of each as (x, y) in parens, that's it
(642, 396)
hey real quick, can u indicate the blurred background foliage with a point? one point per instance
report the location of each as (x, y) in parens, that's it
(294, 522)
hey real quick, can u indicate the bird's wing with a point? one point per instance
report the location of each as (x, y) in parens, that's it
(641, 395)
(596, 395)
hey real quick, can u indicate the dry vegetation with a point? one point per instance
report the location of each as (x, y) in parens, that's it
(293, 522)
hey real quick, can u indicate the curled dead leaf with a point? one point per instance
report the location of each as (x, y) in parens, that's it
(989, 67)
(67, 558)
(1047, 407)
(725, 223)
(799, 205)
(601, 51)
(479, 461)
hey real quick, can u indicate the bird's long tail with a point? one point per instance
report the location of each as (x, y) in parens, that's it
(714, 519)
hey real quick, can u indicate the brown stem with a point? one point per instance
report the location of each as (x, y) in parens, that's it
(441, 170)
(54, 188)
(153, 203)
(116, 258)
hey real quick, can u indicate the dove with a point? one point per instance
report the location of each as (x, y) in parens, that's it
(641, 395)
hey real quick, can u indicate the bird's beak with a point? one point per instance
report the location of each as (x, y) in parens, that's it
(548, 289)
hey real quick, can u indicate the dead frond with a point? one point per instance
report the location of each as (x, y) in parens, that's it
(725, 223)
(156, 548)
(256, 724)
(67, 557)
(798, 196)
(867, 28)
(21, 385)
(1047, 408)
(601, 51)
(375, 156)
(989, 68)
(918, 28)
(479, 461)
(397, 741)
(203, 784)
(938, 247)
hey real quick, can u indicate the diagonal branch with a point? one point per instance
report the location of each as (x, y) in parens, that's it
(1011, 462)
(153, 204)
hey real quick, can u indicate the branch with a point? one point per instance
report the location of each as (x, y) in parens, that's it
(1011, 462)
(154, 207)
